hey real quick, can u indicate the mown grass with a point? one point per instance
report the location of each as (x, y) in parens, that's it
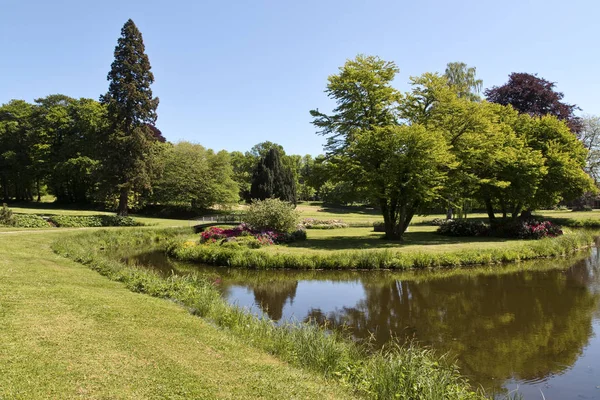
(456, 255)
(400, 372)
(70, 333)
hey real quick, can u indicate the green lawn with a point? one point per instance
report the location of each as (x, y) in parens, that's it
(67, 332)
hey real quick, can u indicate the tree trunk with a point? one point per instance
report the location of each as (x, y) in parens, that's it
(37, 184)
(123, 200)
(490, 209)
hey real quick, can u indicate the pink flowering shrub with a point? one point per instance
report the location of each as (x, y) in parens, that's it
(215, 234)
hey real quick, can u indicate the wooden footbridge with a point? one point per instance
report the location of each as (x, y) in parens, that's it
(201, 223)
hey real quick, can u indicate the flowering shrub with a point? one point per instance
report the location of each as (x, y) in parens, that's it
(529, 229)
(513, 229)
(312, 223)
(461, 227)
(242, 234)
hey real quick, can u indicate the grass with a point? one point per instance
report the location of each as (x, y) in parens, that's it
(395, 372)
(70, 333)
(359, 249)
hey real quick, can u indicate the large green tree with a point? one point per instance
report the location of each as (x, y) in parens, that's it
(272, 179)
(195, 177)
(131, 109)
(402, 167)
(18, 150)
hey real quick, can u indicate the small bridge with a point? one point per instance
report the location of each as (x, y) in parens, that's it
(201, 223)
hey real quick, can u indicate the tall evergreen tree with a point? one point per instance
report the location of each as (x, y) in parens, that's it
(131, 109)
(271, 179)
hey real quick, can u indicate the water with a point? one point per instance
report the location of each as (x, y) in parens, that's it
(534, 329)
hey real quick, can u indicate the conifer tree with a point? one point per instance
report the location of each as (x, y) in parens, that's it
(271, 179)
(131, 110)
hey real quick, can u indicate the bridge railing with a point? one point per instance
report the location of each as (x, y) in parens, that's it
(217, 218)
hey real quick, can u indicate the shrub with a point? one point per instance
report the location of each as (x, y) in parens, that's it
(86, 221)
(272, 215)
(583, 208)
(437, 221)
(378, 227)
(240, 242)
(6, 216)
(312, 223)
(30, 221)
(463, 227)
(525, 229)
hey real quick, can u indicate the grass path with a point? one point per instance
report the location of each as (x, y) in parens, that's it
(67, 332)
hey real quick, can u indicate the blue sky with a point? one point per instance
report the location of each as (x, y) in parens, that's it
(230, 74)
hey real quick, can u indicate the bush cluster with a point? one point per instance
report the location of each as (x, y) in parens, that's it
(272, 215)
(244, 236)
(511, 229)
(312, 223)
(87, 221)
(463, 227)
(30, 221)
(6, 216)
(520, 229)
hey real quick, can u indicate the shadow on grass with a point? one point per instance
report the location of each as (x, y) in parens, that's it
(375, 241)
(349, 210)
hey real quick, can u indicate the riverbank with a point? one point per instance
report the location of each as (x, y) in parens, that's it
(395, 372)
(68, 332)
(360, 248)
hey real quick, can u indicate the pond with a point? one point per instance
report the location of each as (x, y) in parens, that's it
(532, 326)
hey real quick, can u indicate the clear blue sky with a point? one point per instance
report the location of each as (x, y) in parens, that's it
(230, 74)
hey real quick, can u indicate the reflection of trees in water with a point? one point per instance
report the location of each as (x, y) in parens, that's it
(272, 296)
(525, 325)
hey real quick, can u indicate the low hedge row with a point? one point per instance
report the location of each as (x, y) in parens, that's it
(29, 221)
(92, 221)
(379, 259)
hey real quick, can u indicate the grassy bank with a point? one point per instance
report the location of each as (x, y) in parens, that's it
(396, 372)
(70, 333)
(461, 252)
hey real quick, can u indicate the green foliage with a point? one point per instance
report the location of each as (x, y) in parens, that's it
(131, 110)
(462, 80)
(85, 221)
(272, 215)
(272, 179)
(404, 372)
(7, 217)
(194, 176)
(30, 221)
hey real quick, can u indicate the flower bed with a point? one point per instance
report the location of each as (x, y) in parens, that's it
(244, 236)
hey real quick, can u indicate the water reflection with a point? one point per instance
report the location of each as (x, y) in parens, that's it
(515, 327)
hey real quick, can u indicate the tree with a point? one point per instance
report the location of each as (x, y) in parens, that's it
(271, 179)
(589, 135)
(130, 109)
(17, 150)
(462, 79)
(195, 177)
(535, 96)
(404, 168)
